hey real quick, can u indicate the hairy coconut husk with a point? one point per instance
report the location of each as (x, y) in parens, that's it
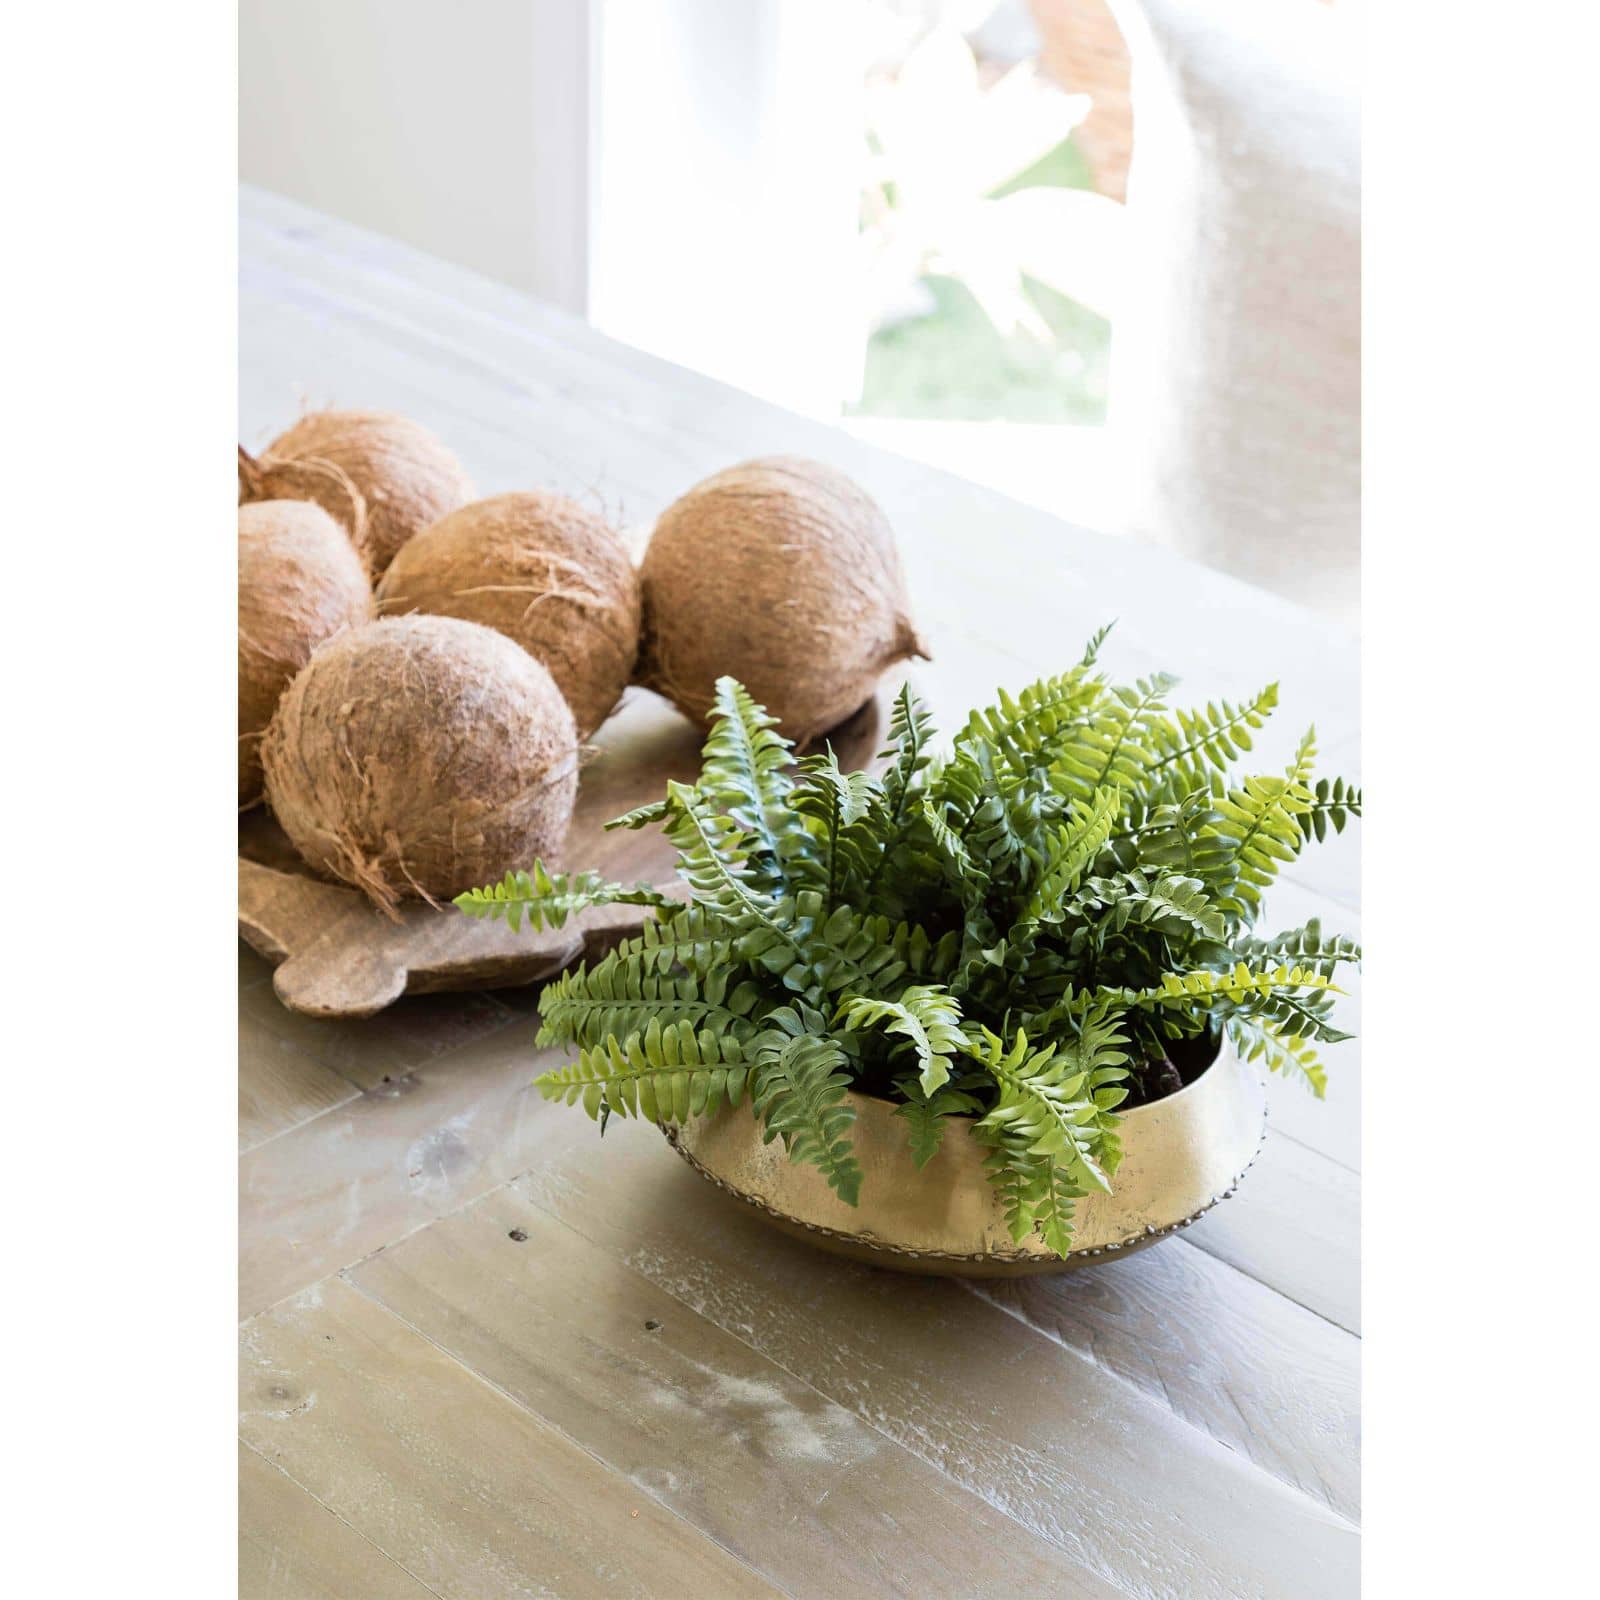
(406, 476)
(320, 482)
(785, 574)
(420, 757)
(300, 583)
(542, 570)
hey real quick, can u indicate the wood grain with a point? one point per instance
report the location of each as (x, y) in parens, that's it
(463, 1487)
(374, 1051)
(1003, 1410)
(1248, 1367)
(1295, 1225)
(292, 1548)
(280, 1086)
(710, 1427)
(333, 1190)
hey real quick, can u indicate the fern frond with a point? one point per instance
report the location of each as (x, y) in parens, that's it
(546, 899)
(744, 771)
(925, 1015)
(621, 994)
(1112, 749)
(1169, 904)
(910, 735)
(642, 816)
(696, 937)
(870, 955)
(1308, 947)
(799, 1090)
(1332, 801)
(1073, 848)
(1091, 651)
(1262, 1039)
(1185, 838)
(1205, 989)
(668, 1073)
(1044, 1106)
(925, 1114)
(1260, 828)
(1215, 734)
(959, 866)
(1026, 730)
(839, 806)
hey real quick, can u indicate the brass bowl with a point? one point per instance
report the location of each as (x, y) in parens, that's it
(1181, 1155)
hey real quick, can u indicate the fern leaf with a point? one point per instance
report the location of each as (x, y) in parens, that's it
(910, 734)
(1333, 801)
(1215, 734)
(1204, 989)
(1260, 828)
(840, 806)
(799, 1092)
(546, 899)
(744, 771)
(1169, 904)
(1073, 848)
(1262, 1039)
(668, 1073)
(622, 993)
(925, 1115)
(1025, 731)
(1111, 749)
(1306, 946)
(925, 1015)
(642, 816)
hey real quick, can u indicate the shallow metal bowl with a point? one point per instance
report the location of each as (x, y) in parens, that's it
(1181, 1155)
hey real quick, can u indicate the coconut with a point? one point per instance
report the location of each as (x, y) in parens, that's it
(300, 582)
(406, 476)
(783, 573)
(543, 571)
(420, 757)
(320, 482)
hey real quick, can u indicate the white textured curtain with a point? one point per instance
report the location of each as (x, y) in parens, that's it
(1236, 359)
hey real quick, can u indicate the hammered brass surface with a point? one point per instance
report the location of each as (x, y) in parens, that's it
(1181, 1155)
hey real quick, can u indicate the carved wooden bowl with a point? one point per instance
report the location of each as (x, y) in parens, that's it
(1181, 1155)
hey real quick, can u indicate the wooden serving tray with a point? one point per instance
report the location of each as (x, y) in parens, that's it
(337, 956)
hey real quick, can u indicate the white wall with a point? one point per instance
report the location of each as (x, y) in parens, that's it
(728, 190)
(460, 126)
(685, 173)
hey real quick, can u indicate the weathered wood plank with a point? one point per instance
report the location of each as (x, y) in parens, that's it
(459, 1484)
(1165, 1510)
(711, 1428)
(326, 1194)
(1247, 1366)
(380, 1049)
(280, 1086)
(1295, 1225)
(253, 969)
(292, 1548)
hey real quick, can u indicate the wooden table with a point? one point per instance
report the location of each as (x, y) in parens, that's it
(484, 1357)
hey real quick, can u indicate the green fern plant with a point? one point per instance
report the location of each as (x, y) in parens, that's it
(1046, 922)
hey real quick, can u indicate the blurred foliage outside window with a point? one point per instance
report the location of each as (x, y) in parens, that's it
(989, 258)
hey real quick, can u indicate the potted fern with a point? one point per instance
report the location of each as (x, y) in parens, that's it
(978, 971)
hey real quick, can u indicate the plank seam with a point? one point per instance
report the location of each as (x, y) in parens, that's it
(976, 1288)
(554, 1427)
(311, 1494)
